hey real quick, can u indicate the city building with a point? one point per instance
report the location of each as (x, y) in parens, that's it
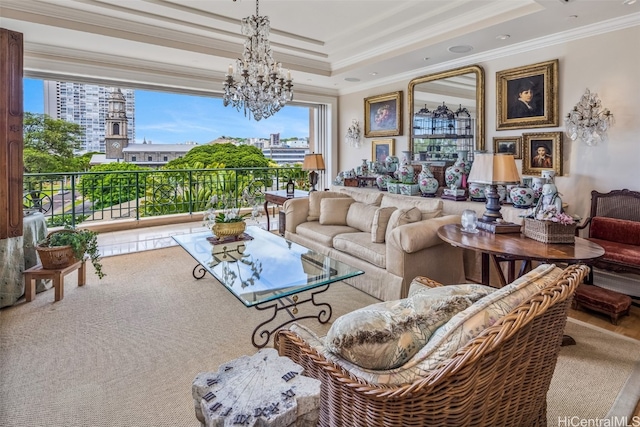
(87, 106)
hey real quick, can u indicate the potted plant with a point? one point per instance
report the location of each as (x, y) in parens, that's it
(223, 217)
(64, 247)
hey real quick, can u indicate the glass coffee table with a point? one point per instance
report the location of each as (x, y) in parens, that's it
(267, 272)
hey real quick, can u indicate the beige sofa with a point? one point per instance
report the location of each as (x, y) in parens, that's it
(392, 238)
(412, 250)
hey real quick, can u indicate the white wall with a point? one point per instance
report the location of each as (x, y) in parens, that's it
(608, 64)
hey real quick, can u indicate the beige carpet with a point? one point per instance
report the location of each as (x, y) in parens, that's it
(123, 351)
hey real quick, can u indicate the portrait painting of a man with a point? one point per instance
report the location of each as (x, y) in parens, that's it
(525, 97)
(542, 151)
(541, 155)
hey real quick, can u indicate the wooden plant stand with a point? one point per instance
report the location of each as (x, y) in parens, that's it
(57, 276)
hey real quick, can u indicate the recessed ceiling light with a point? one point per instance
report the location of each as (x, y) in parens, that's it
(426, 58)
(352, 79)
(503, 36)
(629, 2)
(373, 73)
(461, 49)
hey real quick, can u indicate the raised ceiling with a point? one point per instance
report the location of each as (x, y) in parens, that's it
(331, 46)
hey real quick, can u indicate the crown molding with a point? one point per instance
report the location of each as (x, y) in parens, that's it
(603, 27)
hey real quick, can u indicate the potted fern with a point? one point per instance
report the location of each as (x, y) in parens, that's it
(62, 248)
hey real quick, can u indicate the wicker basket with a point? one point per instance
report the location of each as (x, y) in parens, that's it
(56, 257)
(226, 229)
(549, 231)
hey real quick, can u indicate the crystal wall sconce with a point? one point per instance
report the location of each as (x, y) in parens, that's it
(588, 120)
(354, 134)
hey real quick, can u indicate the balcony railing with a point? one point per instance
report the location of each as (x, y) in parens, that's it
(68, 199)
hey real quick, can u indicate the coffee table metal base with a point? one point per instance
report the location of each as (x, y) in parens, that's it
(260, 338)
(290, 305)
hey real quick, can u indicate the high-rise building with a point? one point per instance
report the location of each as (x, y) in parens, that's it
(87, 106)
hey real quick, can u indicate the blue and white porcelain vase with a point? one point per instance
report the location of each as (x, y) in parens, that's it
(454, 176)
(476, 192)
(391, 163)
(427, 182)
(522, 196)
(381, 181)
(405, 173)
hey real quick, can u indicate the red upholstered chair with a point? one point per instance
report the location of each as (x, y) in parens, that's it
(614, 224)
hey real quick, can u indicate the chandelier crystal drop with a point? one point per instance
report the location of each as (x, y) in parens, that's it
(258, 84)
(588, 120)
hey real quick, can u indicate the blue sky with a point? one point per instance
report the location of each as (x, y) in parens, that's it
(166, 118)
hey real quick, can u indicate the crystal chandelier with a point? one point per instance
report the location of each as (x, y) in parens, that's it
(588, 121)
(353, 134)
(258, 84)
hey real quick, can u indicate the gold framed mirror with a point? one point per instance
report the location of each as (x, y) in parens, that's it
(459, 89)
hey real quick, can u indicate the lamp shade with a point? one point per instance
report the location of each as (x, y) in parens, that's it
(313, 162)
(494, 169)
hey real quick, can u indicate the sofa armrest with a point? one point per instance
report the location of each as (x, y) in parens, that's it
(420, 235)
(296, 212)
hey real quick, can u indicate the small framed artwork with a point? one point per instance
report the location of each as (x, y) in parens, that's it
(381, 149)
(541, 151)
(527, 97)
(383, 115)
(508, 145)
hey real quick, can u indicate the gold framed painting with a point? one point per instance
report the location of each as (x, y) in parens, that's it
(508, 145)
(527, 97)
(541, 151)
(383, 115)
(381, 149)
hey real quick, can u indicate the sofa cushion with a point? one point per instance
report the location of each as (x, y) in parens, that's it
(380, 222)
(361, 215)
(359, 245)
(401, 217)
(366, 197)
(333, 211)
(315, 197)
(430, 208)
(615, 230)
(618, 252)
(387, 334)
(322, 234)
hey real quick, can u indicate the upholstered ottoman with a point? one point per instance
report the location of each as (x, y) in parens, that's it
(602, 300)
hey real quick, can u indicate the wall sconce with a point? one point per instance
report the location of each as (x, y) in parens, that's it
(354, 134)
(588, 120)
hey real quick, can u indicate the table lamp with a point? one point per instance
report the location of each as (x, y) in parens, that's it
(493, 170)
(313, 162)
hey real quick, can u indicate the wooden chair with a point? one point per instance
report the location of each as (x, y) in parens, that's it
(500, 378)
(623, 205)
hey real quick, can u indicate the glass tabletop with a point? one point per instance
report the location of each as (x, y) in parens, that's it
(264, 267)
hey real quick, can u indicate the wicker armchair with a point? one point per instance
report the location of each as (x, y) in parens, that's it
(500, 378)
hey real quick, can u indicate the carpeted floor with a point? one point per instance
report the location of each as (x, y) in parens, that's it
(123, 351)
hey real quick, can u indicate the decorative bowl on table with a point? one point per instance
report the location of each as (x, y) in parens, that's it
(227, 229)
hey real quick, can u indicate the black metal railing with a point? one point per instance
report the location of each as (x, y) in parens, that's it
(68, 199)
